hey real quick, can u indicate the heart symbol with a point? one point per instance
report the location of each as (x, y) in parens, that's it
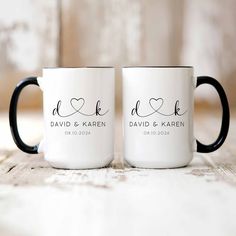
(77, 103)
(156, 103)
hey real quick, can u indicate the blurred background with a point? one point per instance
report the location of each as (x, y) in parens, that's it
(37, 34)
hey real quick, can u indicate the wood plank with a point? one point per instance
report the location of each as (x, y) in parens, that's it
(124, 32)
(29, 33)
(204, 21)
(104, 201)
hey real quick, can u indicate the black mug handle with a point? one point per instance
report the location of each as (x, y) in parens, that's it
(13, 116)
(225, 115)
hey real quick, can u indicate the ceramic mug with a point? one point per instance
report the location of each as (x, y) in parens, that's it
(78, 107)
(158, 107)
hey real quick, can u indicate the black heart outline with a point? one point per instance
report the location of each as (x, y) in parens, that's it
(77, 100)
(156, 100)
(157, 110)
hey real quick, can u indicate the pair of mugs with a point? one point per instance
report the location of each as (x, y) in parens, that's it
(78, 107)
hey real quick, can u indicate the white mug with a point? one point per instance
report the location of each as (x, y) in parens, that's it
(78, 107)
(158, 107)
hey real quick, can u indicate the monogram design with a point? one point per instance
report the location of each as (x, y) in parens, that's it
(77, 105)
(156, 105)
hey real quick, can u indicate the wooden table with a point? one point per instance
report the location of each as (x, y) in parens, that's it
(36, 199)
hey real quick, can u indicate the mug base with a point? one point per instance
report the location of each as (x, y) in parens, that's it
(156, 165)
(81, 166)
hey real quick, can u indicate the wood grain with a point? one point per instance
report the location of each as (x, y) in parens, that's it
(29, 33)
(119, 33)
(36, 34)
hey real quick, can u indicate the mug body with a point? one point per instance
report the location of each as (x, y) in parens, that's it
(158, 116)
(78, 106)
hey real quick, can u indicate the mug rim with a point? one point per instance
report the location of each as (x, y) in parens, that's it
(161, 67)
(80, 67)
